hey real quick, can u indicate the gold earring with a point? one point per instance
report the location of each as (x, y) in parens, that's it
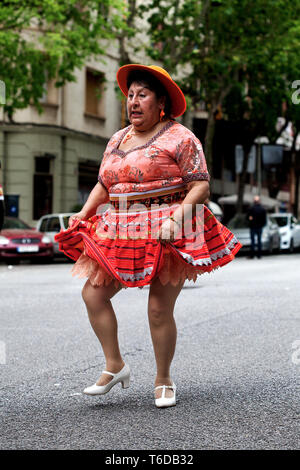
(161, 115)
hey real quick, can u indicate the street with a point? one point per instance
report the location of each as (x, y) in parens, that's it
(236, 375)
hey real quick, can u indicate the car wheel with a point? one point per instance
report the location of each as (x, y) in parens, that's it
(12, 261)
(291, 248)
(270, 247)
(42, 260)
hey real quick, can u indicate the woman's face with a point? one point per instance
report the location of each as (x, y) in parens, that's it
(143, 107)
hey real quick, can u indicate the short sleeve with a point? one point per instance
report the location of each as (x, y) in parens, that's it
(105, 156)
(113, 141)
(191, 160)
(100, 180)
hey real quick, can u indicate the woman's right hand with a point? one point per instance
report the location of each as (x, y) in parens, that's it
(79, 216)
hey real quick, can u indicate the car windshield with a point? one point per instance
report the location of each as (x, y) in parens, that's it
(280, 221)
(66, 221)
(238, 221)
(11, 223)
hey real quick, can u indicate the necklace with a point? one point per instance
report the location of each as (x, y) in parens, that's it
(128, 136)
(131, 133)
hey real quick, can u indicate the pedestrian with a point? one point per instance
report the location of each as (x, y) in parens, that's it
(151, 172)
(257, 217)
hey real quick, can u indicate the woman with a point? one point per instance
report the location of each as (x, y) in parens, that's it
(156, 230)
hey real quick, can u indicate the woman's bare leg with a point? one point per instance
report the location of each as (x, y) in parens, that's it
(163, 330)
(104, 323)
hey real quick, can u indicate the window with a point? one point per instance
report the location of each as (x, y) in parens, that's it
(281, 221)
(87, 175)
(66, 221)
(42, 187)
(43, 226)
(94, 94)
(53, 225)
(50, 95)
(238, 221)
(294, 221)
(13, 223)
(42, 165)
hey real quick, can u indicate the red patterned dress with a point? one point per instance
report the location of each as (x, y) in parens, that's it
(146, 185)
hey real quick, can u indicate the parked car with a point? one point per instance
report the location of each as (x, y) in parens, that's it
(270, 238)
(216, 210)
(289, 228)
(20, 241)
(51, 224)
(1, 207)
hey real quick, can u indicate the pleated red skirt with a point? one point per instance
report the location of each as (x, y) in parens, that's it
(123, 245)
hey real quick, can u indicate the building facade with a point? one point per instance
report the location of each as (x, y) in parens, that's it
(50, 161)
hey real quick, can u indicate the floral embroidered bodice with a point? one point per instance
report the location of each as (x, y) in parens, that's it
(174, 156)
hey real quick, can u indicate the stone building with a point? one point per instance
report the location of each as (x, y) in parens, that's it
(50, 161)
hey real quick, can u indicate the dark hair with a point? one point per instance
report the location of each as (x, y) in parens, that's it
(151, 82)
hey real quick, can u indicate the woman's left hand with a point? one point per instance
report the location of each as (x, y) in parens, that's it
(79, 216)
(168, 231)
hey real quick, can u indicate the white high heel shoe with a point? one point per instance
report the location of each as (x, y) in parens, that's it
(163, 401)
(123, 376)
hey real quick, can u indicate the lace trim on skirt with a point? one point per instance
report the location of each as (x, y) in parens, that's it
(173, 271)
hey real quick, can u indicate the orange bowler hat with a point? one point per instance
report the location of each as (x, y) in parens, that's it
(178, 103)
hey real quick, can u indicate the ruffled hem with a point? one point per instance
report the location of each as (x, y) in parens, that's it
(137, 262)
(88, 267)
(173, 271)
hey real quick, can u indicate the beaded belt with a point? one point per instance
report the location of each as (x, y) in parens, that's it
(125, 204)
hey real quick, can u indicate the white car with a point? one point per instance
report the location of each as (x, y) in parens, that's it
(270, 237)
(289, 228)
(51, 224)
(216, 210)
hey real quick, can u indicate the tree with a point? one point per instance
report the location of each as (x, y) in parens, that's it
(45, 39)
(126, 47)
(215, 44)
(269, 92)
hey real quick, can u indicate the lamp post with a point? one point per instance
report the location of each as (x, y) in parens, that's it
(258, 165)
(259, 141)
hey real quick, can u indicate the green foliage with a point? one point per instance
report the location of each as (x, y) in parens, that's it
(76, 208)
(44, 39)
(240, 54)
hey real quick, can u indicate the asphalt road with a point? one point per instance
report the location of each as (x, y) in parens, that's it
(236, 375)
